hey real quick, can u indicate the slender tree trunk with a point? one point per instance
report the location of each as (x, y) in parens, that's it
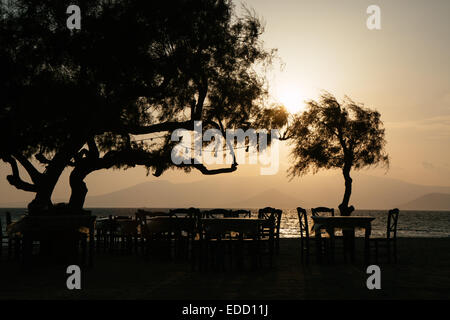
(343, 207)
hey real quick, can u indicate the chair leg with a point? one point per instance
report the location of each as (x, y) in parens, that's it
(395, 251)
(389, 252)
(376, 252)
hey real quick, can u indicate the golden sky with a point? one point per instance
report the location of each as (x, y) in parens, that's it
(402, 70)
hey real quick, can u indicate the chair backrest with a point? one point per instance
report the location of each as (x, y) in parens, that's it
(391, 232)
(316, 211)
(273, 214)
(128, 226)
(240, 212)
(188, 212)
(218, 228)
(303, 222)
(142, 215)
(230, 214)
(213, 213)
(158, 225)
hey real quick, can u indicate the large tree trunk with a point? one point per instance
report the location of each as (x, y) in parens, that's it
(78, 187)
(344, 209)
(42, 202)
(43, 199)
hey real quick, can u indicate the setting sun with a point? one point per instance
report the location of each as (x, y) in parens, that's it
(291, 98)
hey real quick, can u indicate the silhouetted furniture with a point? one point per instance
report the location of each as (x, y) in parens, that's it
(320, 210)
(127, 235)
(186, 236)
(243, 213)
(390, 241)
(217, 245)
(305, 234)
(271, 227)
(63, 234)
(348, 222)
(158, 235)
(13, 241)
(107, 232)
(216, 213)
(237, 214)
(141, 216)
(190, 212)
(2, 238)
(345, 242)
(104, 228)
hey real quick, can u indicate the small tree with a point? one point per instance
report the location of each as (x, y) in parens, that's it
(329, 134)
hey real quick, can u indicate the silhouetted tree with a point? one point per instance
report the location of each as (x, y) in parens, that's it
(329, 134)
(81, 98)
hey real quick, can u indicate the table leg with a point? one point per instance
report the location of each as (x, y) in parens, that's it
(91, 246)
(349, 243)
(318, 246)
(331, 234)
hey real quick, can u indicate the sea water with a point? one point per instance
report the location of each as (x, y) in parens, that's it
(411, 224)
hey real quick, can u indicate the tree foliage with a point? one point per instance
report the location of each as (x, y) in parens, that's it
(81, 98)
(330, 134)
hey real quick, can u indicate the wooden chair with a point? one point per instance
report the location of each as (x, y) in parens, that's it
(342, 243)
(12, 242)
(158, 234)
(127, 235)
(1, 239)
(141, 216)
(273, 217)
(239, 213)
(319, 210)
(219, 250)
(305, 235)
(187, 212)
(214, 213)
(390, 241)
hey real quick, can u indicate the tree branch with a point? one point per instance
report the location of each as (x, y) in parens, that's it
(165, 126)
(207, 171)
(41, 158)
(34, 174)
(15, 179)
(200, 167)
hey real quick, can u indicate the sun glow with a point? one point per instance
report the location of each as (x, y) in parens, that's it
(292, 99)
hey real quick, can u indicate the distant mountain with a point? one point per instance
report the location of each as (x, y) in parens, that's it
(270, 198)
(236, 191)
(431, 201)
(233, 190)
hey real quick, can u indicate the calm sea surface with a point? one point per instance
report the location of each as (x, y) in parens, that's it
(435, 224)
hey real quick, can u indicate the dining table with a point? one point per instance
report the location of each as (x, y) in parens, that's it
(348, 224)
(232, 224)
(238, 229)
(37, 227)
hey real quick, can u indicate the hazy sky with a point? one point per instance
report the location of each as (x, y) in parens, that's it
(402, 70)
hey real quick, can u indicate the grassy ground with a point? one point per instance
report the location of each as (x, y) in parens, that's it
(422, 272)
